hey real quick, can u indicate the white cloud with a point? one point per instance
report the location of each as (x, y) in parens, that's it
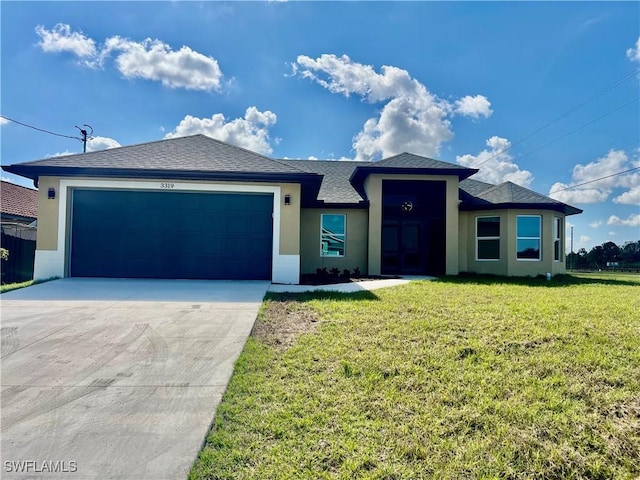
(632, 221)
(631, 197)
(412, 119)
(612, 234)
(154, 60)
(601, 176)
(596, 224)
(584, 240)
(634, 52)
(101, 143)
(474, 106)
(61, 39)
(93, 145)
(61, 154)
(148, 59)
(3, 121)
(251, 132)
(497, 164)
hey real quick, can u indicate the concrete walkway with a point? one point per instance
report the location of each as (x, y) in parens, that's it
(117, 379)
(350, 287)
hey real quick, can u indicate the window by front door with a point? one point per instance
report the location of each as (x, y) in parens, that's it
(333, 229)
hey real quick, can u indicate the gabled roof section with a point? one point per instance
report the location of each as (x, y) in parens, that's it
(18, 201)
(477, 195)
(408, 163)
(182, 157)
(336, 188)
(411, 161)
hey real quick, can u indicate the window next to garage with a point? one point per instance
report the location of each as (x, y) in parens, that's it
(333, 235)
(528, 237)
(488, 238)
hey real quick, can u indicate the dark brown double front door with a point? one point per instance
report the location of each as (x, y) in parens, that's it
(413, 227)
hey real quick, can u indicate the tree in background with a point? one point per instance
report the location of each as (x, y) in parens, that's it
(627, 256)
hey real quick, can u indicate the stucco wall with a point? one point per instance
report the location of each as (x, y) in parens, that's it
(356, 240)
(373, 188)
(509, 263)
(47, 238)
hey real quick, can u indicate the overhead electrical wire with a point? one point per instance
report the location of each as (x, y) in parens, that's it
(563, 115)
(579, 128)
(594, 180)
(40, 129)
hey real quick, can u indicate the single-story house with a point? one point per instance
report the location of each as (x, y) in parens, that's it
(195, 207)
(18, 204)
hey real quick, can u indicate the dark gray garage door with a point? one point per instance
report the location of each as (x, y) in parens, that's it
(137, 234)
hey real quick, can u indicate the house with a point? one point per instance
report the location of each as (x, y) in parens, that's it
(18, 213)
(18, 204)
(195, 207)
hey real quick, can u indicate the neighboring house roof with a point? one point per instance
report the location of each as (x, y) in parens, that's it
(324, 182)
(477, 195)
(18, 202)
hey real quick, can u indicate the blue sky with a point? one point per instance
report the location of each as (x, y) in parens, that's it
(467, 83)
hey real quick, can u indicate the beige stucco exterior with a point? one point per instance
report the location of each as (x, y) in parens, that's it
(47, 238)
(509, 264)
(299, 228)
(373, 189)
(356, 240)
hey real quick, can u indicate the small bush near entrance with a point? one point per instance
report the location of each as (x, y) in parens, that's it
(457, 378)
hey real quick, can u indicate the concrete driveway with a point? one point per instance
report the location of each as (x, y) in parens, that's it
(115, 379)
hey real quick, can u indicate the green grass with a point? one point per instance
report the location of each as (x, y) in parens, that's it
(461, 378)
(15, 286)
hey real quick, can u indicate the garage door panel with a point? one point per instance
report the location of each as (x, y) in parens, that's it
(171, 234)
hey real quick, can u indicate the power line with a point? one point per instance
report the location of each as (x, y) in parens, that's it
(563, 115)
(595, 180)
(40, 129)
(578, 129)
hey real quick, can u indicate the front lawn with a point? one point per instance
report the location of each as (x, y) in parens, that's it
(451, 379)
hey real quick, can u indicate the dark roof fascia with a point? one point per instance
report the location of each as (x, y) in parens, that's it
(9, 217)
(364, 204)
(558, 207)
(34, 172)
(362, 172)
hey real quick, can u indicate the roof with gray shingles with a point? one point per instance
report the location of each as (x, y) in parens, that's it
(477, 195)
(409, 160)
(193, 153)
(341, 181)
(335, 187)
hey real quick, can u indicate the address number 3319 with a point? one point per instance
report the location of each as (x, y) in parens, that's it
(167, 185)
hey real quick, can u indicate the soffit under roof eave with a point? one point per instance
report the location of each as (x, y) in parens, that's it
(562, 208)
(34, 172)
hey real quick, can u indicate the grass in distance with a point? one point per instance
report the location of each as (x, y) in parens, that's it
(457, 378)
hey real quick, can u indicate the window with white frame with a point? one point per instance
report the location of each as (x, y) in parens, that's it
(333, 234)
(487, 238)
(557, 239)
(528, 237)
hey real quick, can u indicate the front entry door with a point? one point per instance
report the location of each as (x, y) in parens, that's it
(401, 246)
(413, 227)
